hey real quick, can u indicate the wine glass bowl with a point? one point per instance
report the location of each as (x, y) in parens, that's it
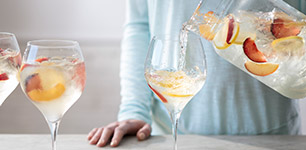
(175, 70)
(52, 76)
(10, 60)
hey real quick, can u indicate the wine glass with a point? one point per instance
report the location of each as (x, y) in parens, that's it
(52, 76)
(10, 60)
(175, 70)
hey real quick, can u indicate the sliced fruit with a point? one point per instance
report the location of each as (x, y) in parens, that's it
(243, 35)
(24, 66)
(206, 29)
(80, 75)
(289, 45)
(2, 52)
(177, 95)
(3, 77)
(33, 82)
(280, 30)
(261, 69)
(227, 34)
(47, 95)
(161, 97)
(42, 59)
(50, 77)
(45, 84)
(251, 51)
(169, 80)
(16, 60)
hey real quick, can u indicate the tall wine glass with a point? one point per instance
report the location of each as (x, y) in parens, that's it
(10, 60)
(175, 70)
(52, 76)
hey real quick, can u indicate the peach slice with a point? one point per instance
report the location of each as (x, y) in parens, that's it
(2, 52)
(206, 28)
(47, 95)
(280, 30)
(32, 82)
(161, 97)
(261, 69)
(16, 60)
(80, 75)
(227, 34)
(251, 51)
(45, 84)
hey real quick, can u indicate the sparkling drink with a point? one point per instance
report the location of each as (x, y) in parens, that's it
(175, 89)
(175, 72)
(268, 45)
(52, 76)
(9, 64)
(53, 84)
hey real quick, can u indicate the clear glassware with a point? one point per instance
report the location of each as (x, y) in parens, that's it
(52, 76)
(264, 38)
(175, 71)
(10, 60)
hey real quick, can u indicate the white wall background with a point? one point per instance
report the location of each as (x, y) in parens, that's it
(82, 20)
(97, 25)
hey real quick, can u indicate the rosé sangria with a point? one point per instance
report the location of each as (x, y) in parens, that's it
(10, 60)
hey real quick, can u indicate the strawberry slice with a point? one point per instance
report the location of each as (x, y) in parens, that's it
(251, 51)
(3, 77)
(42, 59)
(2, 52)
(162, 98)
(280, 30)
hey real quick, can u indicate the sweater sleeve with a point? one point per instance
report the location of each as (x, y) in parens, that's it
(135, 95)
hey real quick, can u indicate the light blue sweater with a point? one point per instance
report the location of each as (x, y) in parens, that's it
(231, 102)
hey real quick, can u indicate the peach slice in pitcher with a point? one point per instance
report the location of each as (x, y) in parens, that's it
(227, 34)
(251, 51)
(45, 84)
(261, 69)
(206, 29)
(282, 27)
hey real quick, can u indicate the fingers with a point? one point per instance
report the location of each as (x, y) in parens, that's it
(96, 136)
(101, 136)
(120, 131)
(144, 132)
(106, 134)
(92, 133)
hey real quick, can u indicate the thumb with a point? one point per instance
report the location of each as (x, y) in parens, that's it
(144, 132)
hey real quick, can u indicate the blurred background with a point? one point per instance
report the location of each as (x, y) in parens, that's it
(98, 26)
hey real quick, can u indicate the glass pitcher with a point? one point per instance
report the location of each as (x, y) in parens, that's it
(265, 38)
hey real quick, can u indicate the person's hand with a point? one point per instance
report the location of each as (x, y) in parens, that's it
(116, 130)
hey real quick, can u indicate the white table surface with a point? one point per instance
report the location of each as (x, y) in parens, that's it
(185, 142)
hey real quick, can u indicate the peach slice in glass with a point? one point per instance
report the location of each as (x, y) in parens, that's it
(45, 84)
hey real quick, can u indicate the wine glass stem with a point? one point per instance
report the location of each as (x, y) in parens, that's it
(175, 118)
(53, 128)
